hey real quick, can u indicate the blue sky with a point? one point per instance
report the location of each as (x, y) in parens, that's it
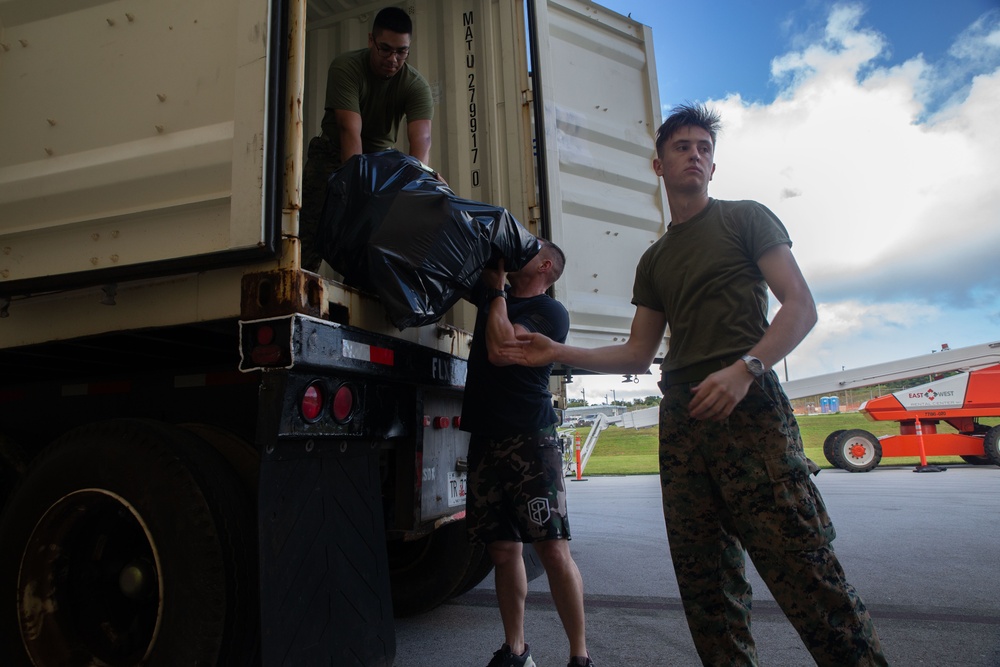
(873, 130)
(709, 50)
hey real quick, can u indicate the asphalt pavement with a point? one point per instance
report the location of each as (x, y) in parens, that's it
(922, 549)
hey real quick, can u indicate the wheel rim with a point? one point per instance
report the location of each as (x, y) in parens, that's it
(858, 452)
(90, 583)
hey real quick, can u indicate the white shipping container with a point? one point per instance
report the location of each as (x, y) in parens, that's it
(154, 148)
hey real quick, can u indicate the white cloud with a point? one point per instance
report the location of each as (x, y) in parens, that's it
(892, 209)
(888, 179)
(980, 42)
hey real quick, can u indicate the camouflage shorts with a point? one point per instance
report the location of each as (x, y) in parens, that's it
(516, 489)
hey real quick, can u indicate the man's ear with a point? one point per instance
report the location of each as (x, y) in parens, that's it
(657, 166)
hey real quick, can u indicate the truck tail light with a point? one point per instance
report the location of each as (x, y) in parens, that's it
(312, 402)
(264, 347)
(265, 334)
(342, 406)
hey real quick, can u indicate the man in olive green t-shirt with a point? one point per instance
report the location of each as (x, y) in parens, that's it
(368, 92)
(734, 476)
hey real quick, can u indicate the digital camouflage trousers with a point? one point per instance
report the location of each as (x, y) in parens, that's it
(744, 485)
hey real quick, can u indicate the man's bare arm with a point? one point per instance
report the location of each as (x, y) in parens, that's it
(633, 356)
(349, 125)
(797, 315)
(500, 332)
(418, 133)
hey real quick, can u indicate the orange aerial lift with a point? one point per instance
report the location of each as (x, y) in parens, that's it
(959, 400)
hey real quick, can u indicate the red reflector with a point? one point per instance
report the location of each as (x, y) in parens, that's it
(427, 421)
(381, 355)
(265, 335)
(312, 402)
(442, 422)
(343, 404)
(456, 422)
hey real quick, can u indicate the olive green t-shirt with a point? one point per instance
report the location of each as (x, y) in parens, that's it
(703, 275)
(382, 103)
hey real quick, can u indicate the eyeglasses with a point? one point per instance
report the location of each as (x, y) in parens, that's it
(388, 52)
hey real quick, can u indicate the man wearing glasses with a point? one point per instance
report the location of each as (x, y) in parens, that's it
(368, 92)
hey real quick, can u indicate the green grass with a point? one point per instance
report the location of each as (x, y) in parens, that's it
(626, 451)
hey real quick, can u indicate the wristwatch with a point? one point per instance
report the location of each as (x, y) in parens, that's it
(754, 365)
(494, 293)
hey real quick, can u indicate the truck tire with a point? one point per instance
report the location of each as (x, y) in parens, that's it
(425, 573)
(828, 446)
(991, 445)
(12, 467)
(857, 450)
(128, 543)
(480, 568)
(480, 565)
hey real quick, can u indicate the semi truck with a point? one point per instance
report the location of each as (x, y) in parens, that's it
(209, 455)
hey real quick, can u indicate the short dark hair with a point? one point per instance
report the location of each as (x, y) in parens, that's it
(394, 19)
(688, 115)
(554, 253)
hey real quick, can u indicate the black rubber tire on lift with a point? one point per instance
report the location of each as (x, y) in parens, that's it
(129, 542)
(828, 445)
(978, 429)
(424, 573)
(845, 450)
(991, 445)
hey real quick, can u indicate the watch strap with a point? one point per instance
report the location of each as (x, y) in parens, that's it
(494, 293)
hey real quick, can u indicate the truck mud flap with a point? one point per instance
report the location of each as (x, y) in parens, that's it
(325, 595)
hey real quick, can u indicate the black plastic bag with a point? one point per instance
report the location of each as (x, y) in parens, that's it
(392, 228)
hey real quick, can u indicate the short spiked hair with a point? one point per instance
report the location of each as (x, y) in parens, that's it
(688, 115)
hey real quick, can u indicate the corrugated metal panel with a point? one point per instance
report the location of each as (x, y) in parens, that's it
(601, 109)
(131, 132)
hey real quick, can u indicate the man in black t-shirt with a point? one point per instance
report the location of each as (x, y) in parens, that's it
(516, 490)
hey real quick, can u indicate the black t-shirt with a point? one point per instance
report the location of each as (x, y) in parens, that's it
(505, 400)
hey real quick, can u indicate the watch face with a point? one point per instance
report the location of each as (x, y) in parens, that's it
(754, 365)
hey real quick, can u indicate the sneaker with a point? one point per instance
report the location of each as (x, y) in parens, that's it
(577, 661)
(504, 657)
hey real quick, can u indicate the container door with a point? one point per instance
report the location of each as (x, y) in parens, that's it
(133, 138)
(595, 89)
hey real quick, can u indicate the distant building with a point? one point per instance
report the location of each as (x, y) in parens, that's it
(587, 413)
